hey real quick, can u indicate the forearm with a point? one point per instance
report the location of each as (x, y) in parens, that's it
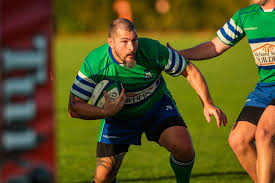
(198, 83)
(205, 50)
(200, 52)
(83, 110)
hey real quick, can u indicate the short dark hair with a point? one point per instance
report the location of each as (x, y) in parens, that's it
(122, 23)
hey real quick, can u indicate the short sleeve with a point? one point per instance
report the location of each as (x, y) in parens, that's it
(84, 83)
(172, 63)
(232, 31)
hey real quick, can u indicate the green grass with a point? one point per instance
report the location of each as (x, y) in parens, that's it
(230, 78)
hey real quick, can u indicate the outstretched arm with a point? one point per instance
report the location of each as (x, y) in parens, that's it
(198, 83)
(79, 108)
(203, 51)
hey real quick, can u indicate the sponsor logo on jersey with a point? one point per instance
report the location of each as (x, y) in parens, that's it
(251, 28)
(264, 53)
(148, 75)
(138, 96)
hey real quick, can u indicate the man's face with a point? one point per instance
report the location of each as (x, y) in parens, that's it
(260, 2)
(124, 45)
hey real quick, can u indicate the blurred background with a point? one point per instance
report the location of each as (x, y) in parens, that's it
(73, 29)
(91, 16)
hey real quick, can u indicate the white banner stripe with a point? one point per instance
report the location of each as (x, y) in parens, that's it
(80, 74)
(229, 32)
(169, 60)
(182, 67)
(222, 38)
(80, 95)
(177, 61)
(83, 86)
(232, 22)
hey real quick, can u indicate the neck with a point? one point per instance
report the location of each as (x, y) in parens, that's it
(116, 56)
(269, 5)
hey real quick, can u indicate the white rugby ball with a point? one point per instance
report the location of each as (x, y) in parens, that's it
(112, 87)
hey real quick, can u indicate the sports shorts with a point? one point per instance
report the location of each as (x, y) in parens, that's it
(262, 96)
(116, 136)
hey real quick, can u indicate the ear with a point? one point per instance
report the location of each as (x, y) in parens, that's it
(110, 42)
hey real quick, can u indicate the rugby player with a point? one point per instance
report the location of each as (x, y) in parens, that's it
(256, 122)
(145, 105)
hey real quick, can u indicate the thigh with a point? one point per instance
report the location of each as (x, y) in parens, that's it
(177, 140)
(267, 120)
(250, 114)
(166, 115)
(245, 128)
(243, 131)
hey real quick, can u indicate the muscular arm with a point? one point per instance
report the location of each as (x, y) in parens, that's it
(203, 51)
(198, 83)
(79, 108)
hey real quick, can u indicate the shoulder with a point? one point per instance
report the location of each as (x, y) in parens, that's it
(99, 52)
(147, 43)
(98, 56)
(150, 47)
(249, 9)
(96, 61)
(241, 15)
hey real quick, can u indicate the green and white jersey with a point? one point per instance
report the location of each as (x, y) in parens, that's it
(259, 27)
(144, 84)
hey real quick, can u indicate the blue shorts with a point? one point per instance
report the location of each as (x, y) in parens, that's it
(262, 96)
(163, 115)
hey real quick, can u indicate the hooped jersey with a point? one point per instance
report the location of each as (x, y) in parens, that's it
(259, 27)
(143, 84)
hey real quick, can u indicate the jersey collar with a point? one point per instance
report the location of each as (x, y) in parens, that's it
(268, 10)
(112, 57)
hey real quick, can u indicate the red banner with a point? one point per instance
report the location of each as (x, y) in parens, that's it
(27, 139)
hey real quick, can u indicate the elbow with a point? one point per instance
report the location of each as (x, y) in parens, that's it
(219, 52)
(72, 114)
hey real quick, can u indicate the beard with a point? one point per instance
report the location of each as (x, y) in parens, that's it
(130, 64)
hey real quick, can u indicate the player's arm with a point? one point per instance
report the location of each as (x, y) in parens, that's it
(199, 84)
(79, 108)
(203, 51)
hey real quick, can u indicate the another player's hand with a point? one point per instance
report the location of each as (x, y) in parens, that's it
(112, 107)
(211, 110)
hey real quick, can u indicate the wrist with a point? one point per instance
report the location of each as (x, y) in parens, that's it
(207, 103)
(105, 113)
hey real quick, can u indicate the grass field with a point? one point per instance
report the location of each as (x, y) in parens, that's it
(230, 78)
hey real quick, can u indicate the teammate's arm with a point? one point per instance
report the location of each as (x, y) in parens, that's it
(198, 83)
(79, 108)
(203, 51)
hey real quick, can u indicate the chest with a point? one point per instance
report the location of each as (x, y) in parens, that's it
(137, 77)
(259, 25)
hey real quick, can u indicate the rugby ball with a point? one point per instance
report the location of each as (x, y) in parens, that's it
(112, 87)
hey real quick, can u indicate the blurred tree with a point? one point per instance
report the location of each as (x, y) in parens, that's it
(96, 15)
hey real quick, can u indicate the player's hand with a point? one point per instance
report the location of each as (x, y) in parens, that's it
(211, 110)
(112, 107)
